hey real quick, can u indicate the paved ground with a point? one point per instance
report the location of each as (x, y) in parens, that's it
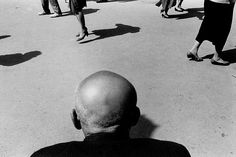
(41, 64)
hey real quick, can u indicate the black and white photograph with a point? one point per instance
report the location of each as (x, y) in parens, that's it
(117, 78)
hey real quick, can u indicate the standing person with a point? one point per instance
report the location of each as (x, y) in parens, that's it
(167, 4)
(215, 28)
(55, 7)
(105, 111)
(76, 7)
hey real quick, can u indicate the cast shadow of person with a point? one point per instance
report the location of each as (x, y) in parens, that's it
(190, 13)
(120, 29)
(4, 36)
(228, 55)
(144, 128)
(13, 59)
(85, 11)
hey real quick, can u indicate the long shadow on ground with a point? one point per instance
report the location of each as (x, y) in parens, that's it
(120, 29)
(4, 36)
(13, 59)
(144, 128)
(190, 13)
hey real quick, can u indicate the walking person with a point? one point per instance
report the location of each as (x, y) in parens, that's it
(55, 7)
(215, 28)
(76, 7)
(167, 4)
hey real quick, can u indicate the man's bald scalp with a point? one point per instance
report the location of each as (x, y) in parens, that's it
(105, 99)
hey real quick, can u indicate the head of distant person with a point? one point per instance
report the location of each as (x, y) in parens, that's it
(106, 103)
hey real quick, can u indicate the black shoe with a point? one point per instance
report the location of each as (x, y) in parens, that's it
(220, 61)
(194, 57)
(158, 4)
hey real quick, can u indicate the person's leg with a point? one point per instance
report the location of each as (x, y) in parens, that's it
(45, 6)
(178, 6)
(195, 47)
(164, 10)
(193, 52)
(83, 28)
(55, 7)
(217, 58)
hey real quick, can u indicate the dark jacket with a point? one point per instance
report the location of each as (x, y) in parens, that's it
(105, 145)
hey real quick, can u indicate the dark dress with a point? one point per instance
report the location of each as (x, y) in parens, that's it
(216, 24)
(167, 4)
(77, 5)
(105, 145)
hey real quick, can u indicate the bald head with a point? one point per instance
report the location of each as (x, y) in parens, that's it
(106, 99)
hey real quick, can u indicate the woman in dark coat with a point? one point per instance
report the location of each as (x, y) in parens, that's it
(76, 7)
(215, 28)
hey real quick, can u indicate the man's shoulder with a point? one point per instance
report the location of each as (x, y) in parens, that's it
(168, 147)
(54, 150)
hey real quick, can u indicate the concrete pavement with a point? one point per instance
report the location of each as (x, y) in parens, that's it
(41, 63)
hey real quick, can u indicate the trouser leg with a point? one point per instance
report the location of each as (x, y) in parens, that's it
(55, 6)
(45, 5)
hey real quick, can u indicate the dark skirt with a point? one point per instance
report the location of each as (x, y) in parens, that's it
(167, 4)
(216, 24)
(77, 5)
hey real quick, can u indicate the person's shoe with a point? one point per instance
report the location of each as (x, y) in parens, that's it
(194, 57)
(43, 13)
(219, 61)
(82, 36)
(158, 4)
(101, 1)
(164, 15)
(179, 9)
(55, 15)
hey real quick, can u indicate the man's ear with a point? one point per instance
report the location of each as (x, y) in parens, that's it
(135, 116)
(75, 120)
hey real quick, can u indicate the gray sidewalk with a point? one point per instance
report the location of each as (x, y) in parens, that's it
(41, 63)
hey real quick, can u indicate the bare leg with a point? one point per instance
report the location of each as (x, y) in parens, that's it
(178, 6)
(194, 49)
(81, 20)
(179, 3)
(193, 52)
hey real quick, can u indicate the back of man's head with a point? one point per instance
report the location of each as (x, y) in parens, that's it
(106, 101)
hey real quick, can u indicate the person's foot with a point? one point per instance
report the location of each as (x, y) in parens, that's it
(219, 61)
(158, 4)
(179, 9)
(43, 13)
(83, 34)
(55, 15)
(164, 15)
(194, 56)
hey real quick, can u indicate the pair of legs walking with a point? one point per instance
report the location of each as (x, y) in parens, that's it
(55, 7)
(215, 28)
(76, 7)
(83, 28)
(193, 53)
(167, 4)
